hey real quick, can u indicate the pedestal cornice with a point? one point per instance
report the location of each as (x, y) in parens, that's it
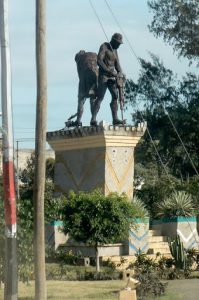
(88, 137)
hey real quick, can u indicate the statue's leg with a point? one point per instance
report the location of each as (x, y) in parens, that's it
(114, 105)
(92, 103)
(100, 96)
(80, 110)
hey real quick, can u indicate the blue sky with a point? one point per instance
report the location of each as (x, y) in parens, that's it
(72, 26)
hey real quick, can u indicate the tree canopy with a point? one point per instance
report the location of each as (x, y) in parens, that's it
(177, 21)
(164, 100)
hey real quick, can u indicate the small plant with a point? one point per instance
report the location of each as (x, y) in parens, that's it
(62, 256)
(178, 252)
(144, 263)
(110, 264)
(178, 204)
(140, 208)
(146, 272)
(150, 286)
(192, 258)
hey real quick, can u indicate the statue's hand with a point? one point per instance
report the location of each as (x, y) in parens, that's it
(113, 73)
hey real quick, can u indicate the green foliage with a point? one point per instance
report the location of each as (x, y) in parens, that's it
(166, 268)
(52, 205)
(95, 219)
(177, 22)
(178, 204)
(156, 186)
(143, 263)
(25, 215)
(50, 168)
(158, 88)
(178, 252)
(61, 256)
(191, 186)
(25, 240)
(140, 207)
(26, 177)
(184, 260)
(66, 272)
(146, 272)
(150, 285)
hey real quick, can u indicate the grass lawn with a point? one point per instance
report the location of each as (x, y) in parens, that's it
(74, 290)
(105, 290)
(184, 289)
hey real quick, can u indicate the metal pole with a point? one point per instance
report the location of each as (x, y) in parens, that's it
(10, 291)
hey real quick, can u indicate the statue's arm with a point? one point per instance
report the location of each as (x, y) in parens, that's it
(117, 64)
(100, 59)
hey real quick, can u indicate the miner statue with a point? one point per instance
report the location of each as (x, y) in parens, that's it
(88, 73)
(111, 77)
(96, 74)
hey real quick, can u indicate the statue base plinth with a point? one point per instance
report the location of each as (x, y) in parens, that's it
(95, 157)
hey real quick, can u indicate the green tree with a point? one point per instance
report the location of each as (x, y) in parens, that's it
(161, 98)
(157, 96)
(26, 176)
(95, 219)
(177, 22)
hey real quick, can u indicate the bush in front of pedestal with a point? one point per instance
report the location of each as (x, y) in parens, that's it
(95, 219)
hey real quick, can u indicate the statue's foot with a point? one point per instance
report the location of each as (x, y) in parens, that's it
(93, 123)
(77, 124)
(119, 122)
(73, 124)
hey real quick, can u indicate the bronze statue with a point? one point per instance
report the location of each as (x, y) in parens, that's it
(110, 74)
(88, 74)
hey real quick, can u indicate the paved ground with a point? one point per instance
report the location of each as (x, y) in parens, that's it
(182, 290)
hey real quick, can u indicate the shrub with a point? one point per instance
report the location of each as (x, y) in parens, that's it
(140, 208)
(143, 263)
(146, 272)
(71, 273)
(61, 256)
(178, 204)
(150, 285)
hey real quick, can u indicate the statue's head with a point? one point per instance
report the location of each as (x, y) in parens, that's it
(116, 40)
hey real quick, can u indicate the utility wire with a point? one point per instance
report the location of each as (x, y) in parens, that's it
(185, 149)
(97, 16)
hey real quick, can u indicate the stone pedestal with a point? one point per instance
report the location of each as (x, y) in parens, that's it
(95, 157)
(127, 295)
(138, 238)
(185, 227)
